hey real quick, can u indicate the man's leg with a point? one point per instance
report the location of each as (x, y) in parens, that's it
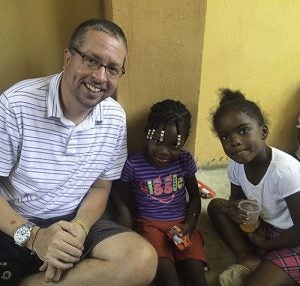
(123, 259)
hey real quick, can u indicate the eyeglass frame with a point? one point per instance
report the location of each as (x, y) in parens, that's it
(85, 56)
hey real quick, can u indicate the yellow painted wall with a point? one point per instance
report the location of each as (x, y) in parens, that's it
(165, 42)
(253, 46)
(34, 34)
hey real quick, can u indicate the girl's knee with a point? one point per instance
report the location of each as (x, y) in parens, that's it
(216, 206)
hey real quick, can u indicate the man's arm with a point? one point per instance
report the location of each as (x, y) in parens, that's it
(90, 210)
(93, 204)
(10, 219)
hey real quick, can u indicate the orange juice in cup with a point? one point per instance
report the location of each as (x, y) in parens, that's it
(252, 208)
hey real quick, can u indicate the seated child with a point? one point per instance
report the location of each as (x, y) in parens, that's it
(159, 178)
(271, 254)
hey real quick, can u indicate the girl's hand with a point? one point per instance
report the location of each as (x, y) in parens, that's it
(189, 224)
(257, 238)
(236, 213)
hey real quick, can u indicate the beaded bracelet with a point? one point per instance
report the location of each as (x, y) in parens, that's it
(82, 225)
(193, 214)
(34, 239)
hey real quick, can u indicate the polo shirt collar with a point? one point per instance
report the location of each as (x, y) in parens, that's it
(54, 108)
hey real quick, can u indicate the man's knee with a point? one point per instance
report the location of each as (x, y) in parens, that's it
(146, 259)
(140, 257)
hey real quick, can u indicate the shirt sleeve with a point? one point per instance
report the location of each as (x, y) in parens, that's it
(191, 167)
(10, 136)
(233, 172)
(286, 180)
(119, 156)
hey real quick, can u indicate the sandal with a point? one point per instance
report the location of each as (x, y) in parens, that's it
(234, 275)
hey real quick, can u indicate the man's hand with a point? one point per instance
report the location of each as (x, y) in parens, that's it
(52, 274)
(59, 246)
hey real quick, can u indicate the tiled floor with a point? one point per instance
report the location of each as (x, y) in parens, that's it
(219, 256)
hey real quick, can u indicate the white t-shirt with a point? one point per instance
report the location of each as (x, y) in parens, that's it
(281, 180)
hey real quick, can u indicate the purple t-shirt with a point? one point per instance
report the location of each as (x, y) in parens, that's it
(159, 192)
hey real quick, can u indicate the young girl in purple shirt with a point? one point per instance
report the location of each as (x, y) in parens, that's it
(154, 187)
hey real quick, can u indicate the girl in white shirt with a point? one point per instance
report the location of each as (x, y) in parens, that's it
(271, 254)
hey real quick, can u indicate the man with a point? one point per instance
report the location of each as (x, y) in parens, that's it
(62, 142)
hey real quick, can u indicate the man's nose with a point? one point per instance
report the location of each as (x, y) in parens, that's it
(100, 73)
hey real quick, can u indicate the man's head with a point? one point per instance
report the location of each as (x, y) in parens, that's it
(108, 27)
(93, 62)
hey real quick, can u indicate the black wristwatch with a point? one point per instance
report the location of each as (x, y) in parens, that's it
(23, 233)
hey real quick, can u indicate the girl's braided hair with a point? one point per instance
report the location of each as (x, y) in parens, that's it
(169, 112)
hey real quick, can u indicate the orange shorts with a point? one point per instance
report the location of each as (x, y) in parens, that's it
(156, 233)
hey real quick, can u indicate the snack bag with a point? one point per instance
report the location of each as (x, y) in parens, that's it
(175, 233)
(206, 192)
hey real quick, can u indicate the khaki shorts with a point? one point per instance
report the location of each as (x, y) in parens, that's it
(17, 262)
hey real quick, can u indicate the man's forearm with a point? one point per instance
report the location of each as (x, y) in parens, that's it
(94, 204)
(10, 219)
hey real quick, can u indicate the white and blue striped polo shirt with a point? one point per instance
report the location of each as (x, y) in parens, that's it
(47, 164)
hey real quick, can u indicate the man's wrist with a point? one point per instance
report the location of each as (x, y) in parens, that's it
(82, 226)
(23, 233)
(32, 238)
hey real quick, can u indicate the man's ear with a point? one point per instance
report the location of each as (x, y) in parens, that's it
(264, 132)
(67, 58)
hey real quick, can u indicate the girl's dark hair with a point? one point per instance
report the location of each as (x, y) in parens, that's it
(169, 112)
(235, 100)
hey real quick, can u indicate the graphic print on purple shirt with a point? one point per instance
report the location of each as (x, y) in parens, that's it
(158, 186)
(159, 192)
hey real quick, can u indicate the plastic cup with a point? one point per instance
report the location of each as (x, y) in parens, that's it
(252, 208)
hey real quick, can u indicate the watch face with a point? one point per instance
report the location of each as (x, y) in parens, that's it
(22, 235)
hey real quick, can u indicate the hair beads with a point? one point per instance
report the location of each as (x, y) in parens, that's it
(169, 113)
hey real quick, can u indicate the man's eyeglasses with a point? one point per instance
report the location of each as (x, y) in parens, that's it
(94, 64)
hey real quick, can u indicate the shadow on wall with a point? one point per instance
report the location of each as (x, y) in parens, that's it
(286, 126)
(136, 132)
(216, 163)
